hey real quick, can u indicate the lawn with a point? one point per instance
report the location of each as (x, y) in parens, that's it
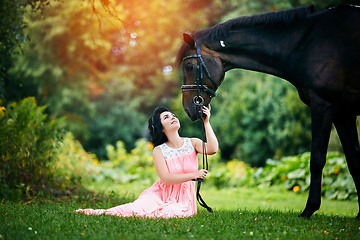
(249, 198)
(273, 198)
(239, 214)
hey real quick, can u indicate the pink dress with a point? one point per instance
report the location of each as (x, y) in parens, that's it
(160, 200)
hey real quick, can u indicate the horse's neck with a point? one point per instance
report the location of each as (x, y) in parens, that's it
(262, 49)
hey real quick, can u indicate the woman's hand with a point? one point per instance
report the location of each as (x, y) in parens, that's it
(207, 113)
(201, 173)
(211, 145)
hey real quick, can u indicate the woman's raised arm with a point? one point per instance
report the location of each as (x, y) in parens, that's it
(211, 145)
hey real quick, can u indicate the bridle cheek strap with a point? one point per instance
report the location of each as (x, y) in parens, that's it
(199, 76)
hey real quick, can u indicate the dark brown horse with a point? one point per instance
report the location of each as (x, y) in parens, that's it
(317, 51)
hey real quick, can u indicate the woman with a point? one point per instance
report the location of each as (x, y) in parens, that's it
(175, 160)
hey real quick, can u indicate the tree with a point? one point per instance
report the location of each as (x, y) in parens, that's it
(259, 116)
(79, 53)
(12, 37)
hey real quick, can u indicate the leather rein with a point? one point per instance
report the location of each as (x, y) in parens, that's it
(198, 100)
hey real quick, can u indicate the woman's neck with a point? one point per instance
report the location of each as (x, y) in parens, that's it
(174, 140)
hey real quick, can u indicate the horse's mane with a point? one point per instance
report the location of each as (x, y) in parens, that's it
(285, 17)
(222, 30)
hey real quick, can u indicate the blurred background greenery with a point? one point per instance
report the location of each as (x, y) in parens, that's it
(102, 66)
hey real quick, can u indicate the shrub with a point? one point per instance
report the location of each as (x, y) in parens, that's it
(234, 173)
(73, 164)
(294, 174)
(258, 116)
(136, 166)
(29, 144)
(124, 167)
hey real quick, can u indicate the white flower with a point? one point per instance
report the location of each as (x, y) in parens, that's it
(251, 233)
(30, 228)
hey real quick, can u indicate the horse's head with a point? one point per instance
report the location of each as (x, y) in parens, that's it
(203, 72)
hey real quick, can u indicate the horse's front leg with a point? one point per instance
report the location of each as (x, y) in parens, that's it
(321, 122)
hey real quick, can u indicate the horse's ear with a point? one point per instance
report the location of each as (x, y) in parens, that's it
(189, 40)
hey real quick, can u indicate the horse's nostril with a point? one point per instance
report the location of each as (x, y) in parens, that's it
(187, 112)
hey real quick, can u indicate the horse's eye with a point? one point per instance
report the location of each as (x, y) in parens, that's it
(189, 67)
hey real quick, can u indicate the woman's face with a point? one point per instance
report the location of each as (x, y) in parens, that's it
(169, 121)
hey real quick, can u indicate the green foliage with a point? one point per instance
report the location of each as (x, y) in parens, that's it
(72, 164)
(11, 26)
(12, 36)
(293, 173)
(72, 65)
(115, 119)
(139, 157)
(124, 167)
(29, 144)
(101, 64)
(11, 33)
(258, 116)
(47, 68)
(135, 166)
(232, 174)
(286, 171)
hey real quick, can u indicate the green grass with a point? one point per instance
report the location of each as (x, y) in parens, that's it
(250, 198)
(57, 221)
(239, 214)
(273, 198)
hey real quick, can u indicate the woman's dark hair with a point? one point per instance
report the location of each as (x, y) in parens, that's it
(155, 127)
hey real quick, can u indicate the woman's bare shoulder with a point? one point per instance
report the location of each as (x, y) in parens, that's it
(156, 149)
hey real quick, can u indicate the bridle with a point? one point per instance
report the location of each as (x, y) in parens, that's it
(198, 101)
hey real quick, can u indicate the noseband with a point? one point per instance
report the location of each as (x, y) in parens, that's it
(198, 100)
